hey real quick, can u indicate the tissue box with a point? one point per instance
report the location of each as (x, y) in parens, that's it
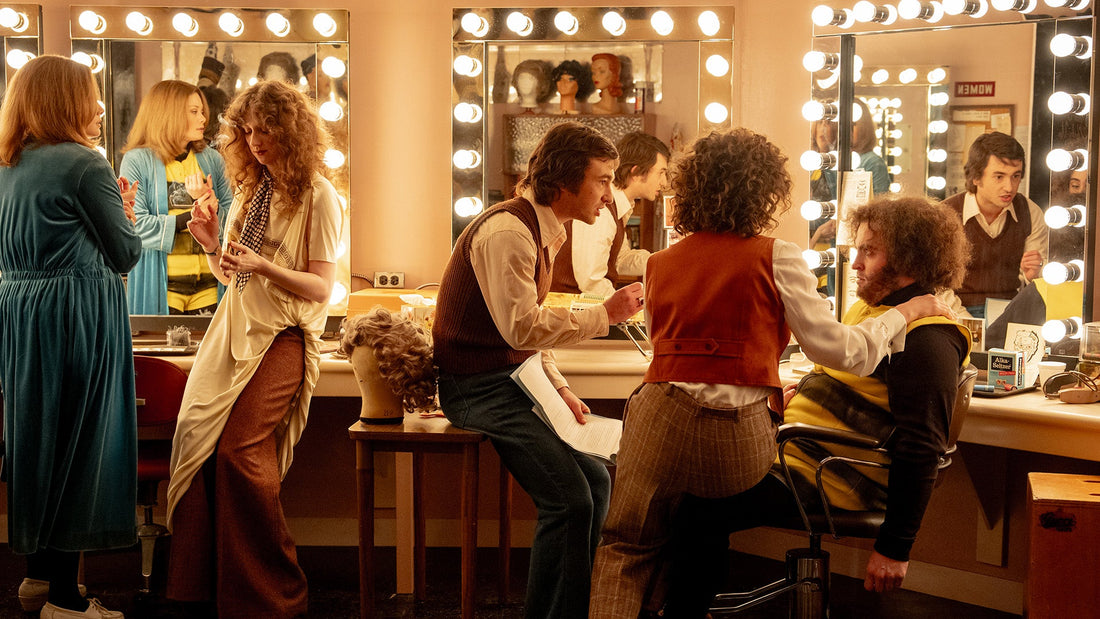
(1006, 365)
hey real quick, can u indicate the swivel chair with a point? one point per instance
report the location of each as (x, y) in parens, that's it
(159, 386)
(807, 577)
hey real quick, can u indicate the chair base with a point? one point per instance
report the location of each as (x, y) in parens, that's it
(807, 582)
(148, 533)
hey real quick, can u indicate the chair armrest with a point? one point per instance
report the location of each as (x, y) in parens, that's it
(791, 431)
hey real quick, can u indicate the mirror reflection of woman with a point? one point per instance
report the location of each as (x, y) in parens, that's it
(66, 365)
(165, 151)
(605, 76)
(248, 393)
(863, 143)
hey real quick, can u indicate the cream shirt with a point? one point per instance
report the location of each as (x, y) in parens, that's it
(243, 328)
(502, 255)
(1036, 241)
(592, 247)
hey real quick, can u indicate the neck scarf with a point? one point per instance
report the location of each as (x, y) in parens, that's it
(255, 223)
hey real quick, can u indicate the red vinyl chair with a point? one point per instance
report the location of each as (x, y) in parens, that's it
(159, 386)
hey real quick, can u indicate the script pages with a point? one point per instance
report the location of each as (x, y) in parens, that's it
(597, 437)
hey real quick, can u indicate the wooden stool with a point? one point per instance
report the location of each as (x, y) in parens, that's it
(1064, 516)
(419, 437)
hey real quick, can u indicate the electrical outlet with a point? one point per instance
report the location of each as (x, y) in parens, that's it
(389, 279)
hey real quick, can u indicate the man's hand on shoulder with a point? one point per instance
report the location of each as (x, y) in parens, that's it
(626, 302)
(884, 573)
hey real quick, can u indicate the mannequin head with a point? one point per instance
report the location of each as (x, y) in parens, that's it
(573, 81)
(279, 66)
(605, 74)
(392, 359)
(531, 79)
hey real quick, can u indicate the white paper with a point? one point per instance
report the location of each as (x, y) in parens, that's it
(597, 437)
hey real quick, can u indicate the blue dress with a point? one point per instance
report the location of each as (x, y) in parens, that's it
(66, 364)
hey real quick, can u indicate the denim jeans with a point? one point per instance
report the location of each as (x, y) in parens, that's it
(570, 489)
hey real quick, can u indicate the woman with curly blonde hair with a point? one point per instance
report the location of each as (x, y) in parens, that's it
(400, 354)
(248, 393)
(721, 306)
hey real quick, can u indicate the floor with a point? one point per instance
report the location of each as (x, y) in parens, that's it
(333, 579)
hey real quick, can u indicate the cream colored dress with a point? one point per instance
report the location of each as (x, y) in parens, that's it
(243, 328)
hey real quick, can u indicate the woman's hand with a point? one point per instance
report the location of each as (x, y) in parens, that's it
(788, 393)
(204, 223)
(923, 307)
(240, 259)
(128, 191)
(574, 403)
(197, 186)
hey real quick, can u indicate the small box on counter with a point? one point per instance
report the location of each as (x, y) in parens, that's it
(1007, 366)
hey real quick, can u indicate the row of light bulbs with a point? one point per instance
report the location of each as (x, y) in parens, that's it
(931, 11)
(567, 23)
(817, 62)
(186, 24)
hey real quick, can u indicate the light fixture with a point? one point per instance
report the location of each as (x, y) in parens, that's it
(13, 20)
(519, 23)
(613, 23)
(139, 23)
(468, 206)
(662, 23)
(938, 99)
(894, 169)
(709, 23)
(566, 22)
(813, 160)
(466, 159)
(937, 126)
(278, 25)
(339, 293)
(92, 22)
(865, 12)
(812, 210)
(816, 110)
(92, 61)
(936, 183)
(16, 58)
(823, 15)
(880, 76)
(907, 76)
(895, 187)
(324, 24)
(1062, 272)
(231, 24)
(1055, 331)
(1077, 5)
(973, 8)
(475, 24)
(817, 61)
(716, 112)
(468, 112)
(937, 75)
(1019, 6)
(1058, 217)
(817, 259)
(916, 9)
(937, 155)
(331, 111)
(333, 67)
(717, 65)
(1065, 103)
(467, 65)
(185, 24)
(334, 158)
(1062, 45)
(1060, 159)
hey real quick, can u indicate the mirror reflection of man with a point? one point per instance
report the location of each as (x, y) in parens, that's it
(1007, 234)
(595, 255)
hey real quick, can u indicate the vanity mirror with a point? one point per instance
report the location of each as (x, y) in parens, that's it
(19, 31)
(223, 51)
(491, 121)
(1022, 68)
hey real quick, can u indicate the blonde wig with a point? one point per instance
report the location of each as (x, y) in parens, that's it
(403, 349)
(161, 124)
(51, 100)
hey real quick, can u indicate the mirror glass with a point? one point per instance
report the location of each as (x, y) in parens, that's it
(505, 97)
(19, 31)
(224, 51)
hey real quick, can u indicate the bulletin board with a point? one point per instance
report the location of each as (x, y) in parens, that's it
(965, 123)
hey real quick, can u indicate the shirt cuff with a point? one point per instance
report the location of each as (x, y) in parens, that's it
(894, 323)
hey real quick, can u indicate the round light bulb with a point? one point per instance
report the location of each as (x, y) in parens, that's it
(185, 24)
(810, 160)
(813, 110)
(811, 210)
(474, 24)
(468, 206)
(231, 24)
(716, 113)
(467, 65)
(907, 76)
(613, 23)
(139, 23)
(13, 20)
(937, 75)
(662, 23)
(880, 76)
(468, 112)
(937, 126)
(864, 11)
(822, 15)
(936, 183)
(334, 158)
(717, 65)
(466, 159)
(938, 99)
(813, 61)
(909, 9)
(339, 293)
(331, 111)
(324, 24)
(519, 23)
(566, 22)
(709, 24)
(333, 67)
(937, 155)
(16, 58)
(277, 24)
(895, 187)
(92, 22)
(82, 58)
(812, 258)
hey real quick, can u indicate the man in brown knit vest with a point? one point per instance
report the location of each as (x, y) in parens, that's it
(1007, 234)
(489, 318)
(596, 255)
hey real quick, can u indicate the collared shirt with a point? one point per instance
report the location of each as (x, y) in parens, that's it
(592, 246)
(502, 255)
(857, 348)
(1036, 241)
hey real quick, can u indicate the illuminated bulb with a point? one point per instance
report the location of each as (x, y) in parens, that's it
(816, 61)
(913, 9)
(973, 8)
(895, 151)
(339, 293)
(1068, 4)
(331, 111)
(895, 187)
(278, 25)
(1058, 217)
(466, 65)
(817, 259)
(1060, 159)
(907, 76)
(1060, 273)
(613, 23)
(101, 151)
(895, 117)
(937, 155)
(864, 11)
(813, 110)
(468, 112)
(716, 113)
(1020, 6)
(475, 24)
(16, 58)
(519, 23)
(812, 210)
(13, 20)
(231, 24)
(97, 63)
(1055, 331)
(812, 160)
(468, 206)
(324, 24)
(1065, 103)
(880, 76)
(937, 126)
(709, 23)
(937, 75)
(82, 58)
(92, 22)
(334, 158)
(139, 23)
(252, 81)
(466, 159)
(894, 134)
(334, 67)
(566, 22)
(857, 112)
(823, 15)
(341, 249)
(662, 23)
(936, 183)
(1063, 45)
(717, 65)
(185, 24)
(894, 169)
(938, 99)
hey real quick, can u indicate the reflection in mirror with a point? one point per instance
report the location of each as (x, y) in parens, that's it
(508, 65)
(222, 51)
(19, 31)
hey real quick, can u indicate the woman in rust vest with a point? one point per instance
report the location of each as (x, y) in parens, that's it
(701, 423)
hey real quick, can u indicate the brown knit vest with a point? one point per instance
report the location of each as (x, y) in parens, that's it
(466, 340)
(994, 269)
(715, 325)
(564, 278)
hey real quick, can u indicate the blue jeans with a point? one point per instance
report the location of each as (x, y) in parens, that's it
(570, 489)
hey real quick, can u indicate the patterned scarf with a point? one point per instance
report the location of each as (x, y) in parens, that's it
(255, 223)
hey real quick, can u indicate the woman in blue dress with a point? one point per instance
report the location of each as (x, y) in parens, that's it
(66, 365)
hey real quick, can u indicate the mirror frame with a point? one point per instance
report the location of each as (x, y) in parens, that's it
(28, 30)
(468, 185)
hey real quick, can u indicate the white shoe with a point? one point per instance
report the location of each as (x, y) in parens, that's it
(34, 593)
(95, 610)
